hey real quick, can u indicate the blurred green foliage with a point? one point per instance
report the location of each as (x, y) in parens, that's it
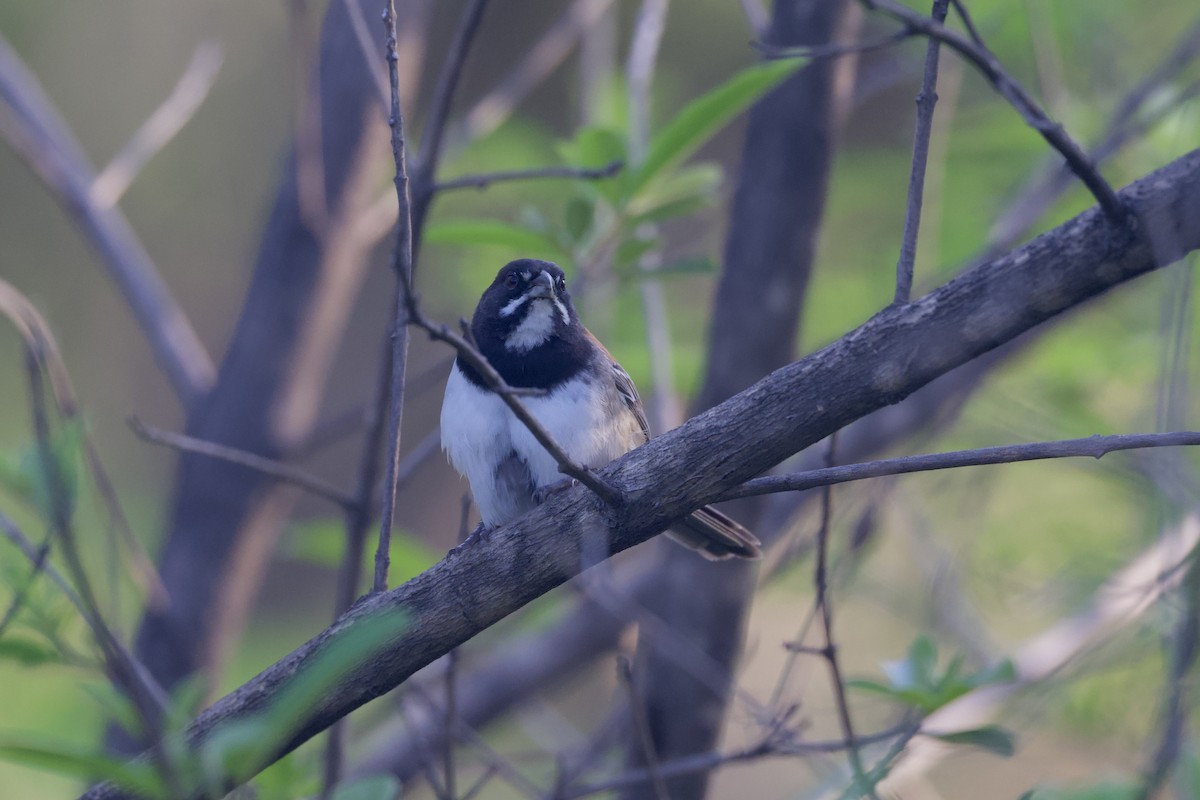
(1030, 542)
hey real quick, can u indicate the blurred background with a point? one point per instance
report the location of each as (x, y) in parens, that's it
(979, 560)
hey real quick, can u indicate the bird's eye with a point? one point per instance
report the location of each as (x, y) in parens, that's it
(560, 284)
(512, 280)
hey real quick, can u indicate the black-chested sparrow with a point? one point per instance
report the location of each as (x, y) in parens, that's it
(529, 331)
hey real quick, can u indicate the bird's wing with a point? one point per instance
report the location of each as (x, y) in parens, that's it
(625, 388)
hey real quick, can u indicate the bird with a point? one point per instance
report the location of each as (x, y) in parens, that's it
(527, 328)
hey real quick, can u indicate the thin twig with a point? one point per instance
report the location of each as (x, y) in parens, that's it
(402, 265)
(267, 466)
(31, 552)
(665, 409)
(1087, 447)
(926, 102)
(540, 62)
(830, 651)
(358, 23)
(433, 134)
(703, 762)
(39, 560)
(449, 741)
(490, 771)
(451, 676)
(963, 14)
(307, 134)
(834, 50)
(1020, 99)
(1031, 200)
(511, 396)
(472, 738)
(1176, 704)
(148, 698)
(32, 327)
(486, 179)
(358, 522)
(641, 727)
(160, 127)
(756, 16)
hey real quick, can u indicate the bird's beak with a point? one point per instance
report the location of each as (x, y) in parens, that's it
(542, 286)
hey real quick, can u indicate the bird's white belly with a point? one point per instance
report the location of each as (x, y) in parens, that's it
(481, 435)
(578, 415)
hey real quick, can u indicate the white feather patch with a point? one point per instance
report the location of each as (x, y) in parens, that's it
(511, 306)
(535, 329)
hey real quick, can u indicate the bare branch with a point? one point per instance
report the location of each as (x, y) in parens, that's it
(1029, 109)
(1087, 447)
(267, 466)
(541, 61)
(796, 405)
(641, 727)
(830, 651)
(160, 127)
(665, 408)
(486, 179)
(402, 261)
(1031, 201)
(358, 23)
(33, 553)
(43, 140)
(433, 134)
(926, 101)
(705, 762)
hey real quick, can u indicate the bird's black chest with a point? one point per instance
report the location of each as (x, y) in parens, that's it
(544, 367)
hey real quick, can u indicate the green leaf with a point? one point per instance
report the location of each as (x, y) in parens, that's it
(922, 655)
(26, 476)
(703, 117)
(78, 762)
(597, 146)
(992, 738)
(631, 250)
(186, 700)
(242, 747)
(578, 216)
(1106, 790)
(372, 787)
(116, 706)
(694, 185)
(495, 233)
(1003, 671)
(27, 652)
(875, 687)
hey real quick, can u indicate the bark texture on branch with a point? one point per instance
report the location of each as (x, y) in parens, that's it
(890, 356)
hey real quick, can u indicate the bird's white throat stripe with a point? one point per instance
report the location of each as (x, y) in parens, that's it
(562, 311)
(511, 306)
(534, 330)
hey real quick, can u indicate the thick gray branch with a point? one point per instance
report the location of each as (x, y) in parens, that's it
(890, 356)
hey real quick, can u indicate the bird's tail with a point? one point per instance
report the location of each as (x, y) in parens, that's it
(715, 535)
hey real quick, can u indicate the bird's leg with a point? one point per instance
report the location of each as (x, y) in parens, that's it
(544, 493)
(480, 534)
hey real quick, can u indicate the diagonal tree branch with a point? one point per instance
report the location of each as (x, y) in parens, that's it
(991, 68)
(1087, 447)
(43, 139)
(888, 357)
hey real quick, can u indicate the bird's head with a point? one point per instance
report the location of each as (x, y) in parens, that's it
(526, 306)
